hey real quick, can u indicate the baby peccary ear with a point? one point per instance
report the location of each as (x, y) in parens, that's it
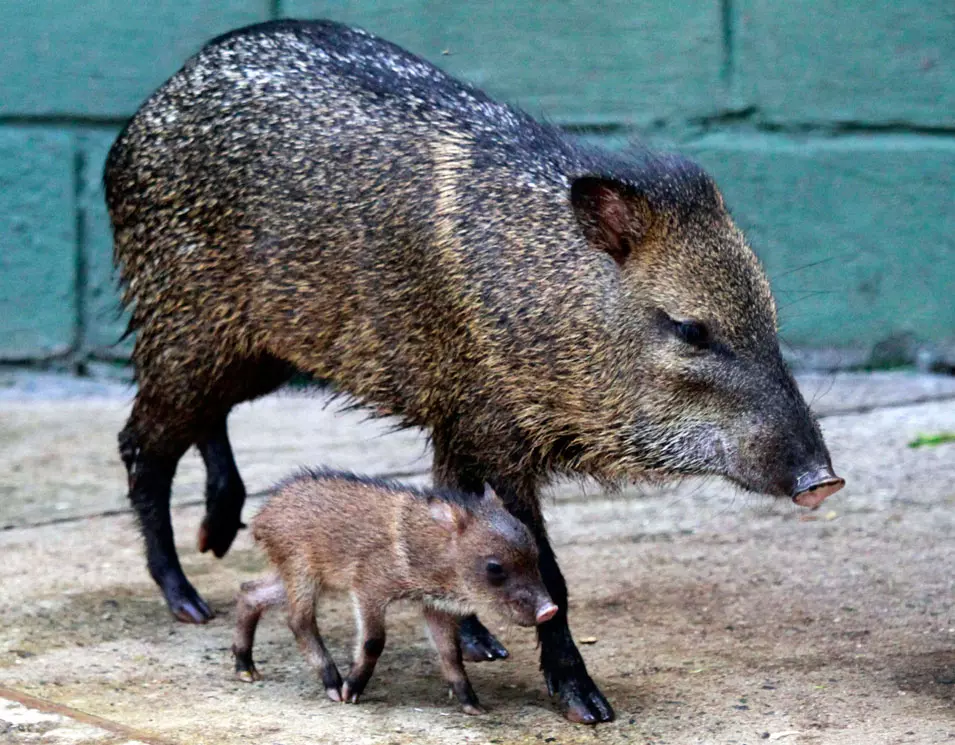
(491, 498)
(449, 516)
(615, 218)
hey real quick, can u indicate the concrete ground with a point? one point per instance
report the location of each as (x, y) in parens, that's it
(705, 615)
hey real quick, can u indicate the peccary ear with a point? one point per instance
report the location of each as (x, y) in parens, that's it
(449, 516)
(615, 218)
(491, 497)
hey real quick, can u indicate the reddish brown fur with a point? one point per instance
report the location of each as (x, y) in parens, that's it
(382, 542)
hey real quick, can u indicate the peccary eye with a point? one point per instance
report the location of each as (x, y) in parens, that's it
(496, 574)
(693, 333)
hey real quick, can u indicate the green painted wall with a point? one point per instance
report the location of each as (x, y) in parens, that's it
(830, 127)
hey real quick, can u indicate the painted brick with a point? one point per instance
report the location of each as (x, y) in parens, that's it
(104, 57)
(104, 320)
(574, 62)
(858, 234)
(37, 243)
(884, 61)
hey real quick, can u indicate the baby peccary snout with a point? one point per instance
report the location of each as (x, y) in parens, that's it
(382, 542)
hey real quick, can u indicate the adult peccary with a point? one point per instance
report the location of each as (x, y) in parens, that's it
(306, 196)
(444, 549)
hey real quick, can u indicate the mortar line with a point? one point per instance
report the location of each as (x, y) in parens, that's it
(79, 166)
(275, 9)
(51, 707)
(67, 120)
(728, 62)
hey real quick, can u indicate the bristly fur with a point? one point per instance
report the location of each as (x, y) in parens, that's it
(304, 196)
(220, 172)
(326, 530)
(466, 500)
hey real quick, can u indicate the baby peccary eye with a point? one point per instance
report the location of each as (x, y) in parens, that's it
(496, 573)
(693, 333)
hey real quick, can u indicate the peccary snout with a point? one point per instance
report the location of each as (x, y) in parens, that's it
(506, 573)
(782, 450)
(535, 608)
(546, 611)
(812, 487)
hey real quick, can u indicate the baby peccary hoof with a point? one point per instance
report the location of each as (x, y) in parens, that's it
(578, 699)
(478, 644)
(352, 689)
(464, 693)
(332, 681)
(245, 667)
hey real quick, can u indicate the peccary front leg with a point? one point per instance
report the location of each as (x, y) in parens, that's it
(444, 633)
(254, 599)
(453, 471)
(225, 492)
(478, 644)
(150, 477)
(370, 619)
(301, 619)
(567, 679)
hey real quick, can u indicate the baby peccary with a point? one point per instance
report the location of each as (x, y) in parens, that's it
(443, 549)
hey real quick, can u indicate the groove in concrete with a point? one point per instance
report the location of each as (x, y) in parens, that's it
(51, 707)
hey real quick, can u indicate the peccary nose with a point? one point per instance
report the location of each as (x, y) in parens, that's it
(812, 487)
(546, 612)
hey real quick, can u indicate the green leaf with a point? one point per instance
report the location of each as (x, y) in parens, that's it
(927, 440)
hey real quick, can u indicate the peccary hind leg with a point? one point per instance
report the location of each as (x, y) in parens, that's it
(225, 492)
(567, 679)
(370, 618)
(150, 474)
(169, 415)
(453, 472)
(301, 619)
(254, 599)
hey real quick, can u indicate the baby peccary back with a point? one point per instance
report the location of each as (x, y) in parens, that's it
(381, 542)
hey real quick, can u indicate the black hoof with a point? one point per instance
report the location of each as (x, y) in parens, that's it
(216, 534)
(332, 680)
(478, 644)
(244, 666)
(186, 604)
(351, 690)
(578, 699)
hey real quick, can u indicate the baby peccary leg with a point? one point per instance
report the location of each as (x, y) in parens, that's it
(301, 619)
(370, 617)
(447, 640)
(254, 600)
(452, 471)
